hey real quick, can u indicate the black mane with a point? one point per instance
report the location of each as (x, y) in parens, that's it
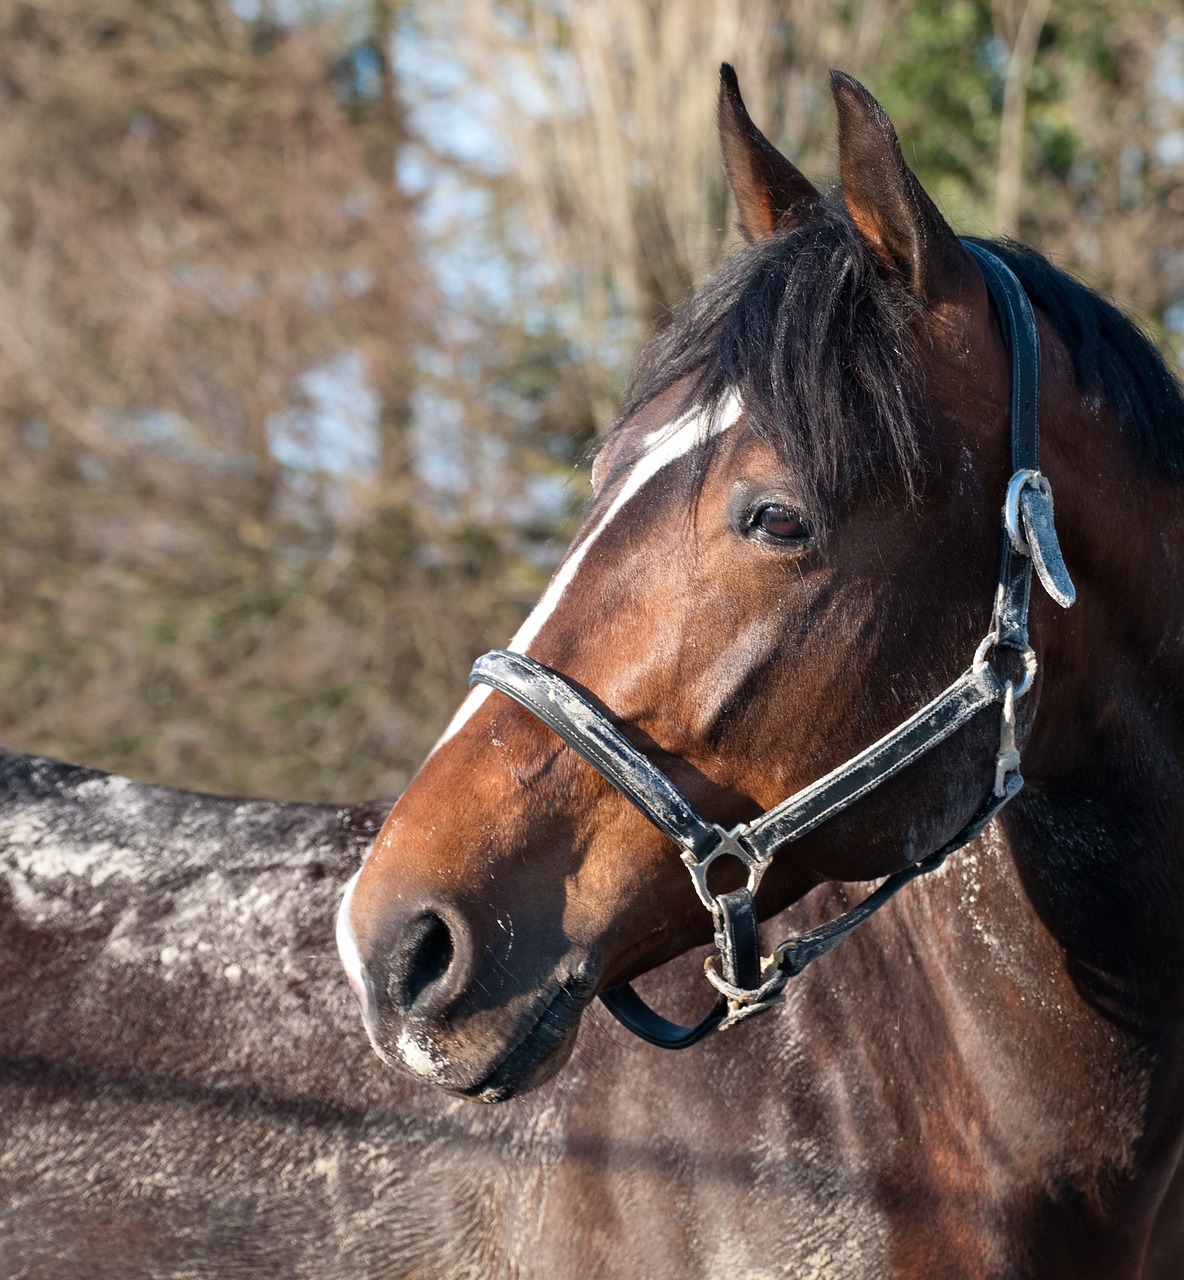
(1111, 354)
(817, 342)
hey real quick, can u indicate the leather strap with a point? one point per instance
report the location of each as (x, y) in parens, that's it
(954, 707)
(1021, 337)
(632, 1012)
(738, 939)
(549, 698)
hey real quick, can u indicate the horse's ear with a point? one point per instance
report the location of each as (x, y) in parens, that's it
(890, 208)
(771, 195)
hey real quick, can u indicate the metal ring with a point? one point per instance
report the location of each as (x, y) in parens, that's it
(729, 843)
(1028, 654)
(1030, 665)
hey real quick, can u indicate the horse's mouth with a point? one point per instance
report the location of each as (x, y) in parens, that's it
(540, 1053)
(532, 1057)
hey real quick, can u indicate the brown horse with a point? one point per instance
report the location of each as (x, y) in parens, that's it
(793, 549)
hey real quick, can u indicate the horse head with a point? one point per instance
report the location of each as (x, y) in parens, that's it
(792, 545)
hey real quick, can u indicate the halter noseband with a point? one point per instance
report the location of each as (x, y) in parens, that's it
(746, 982)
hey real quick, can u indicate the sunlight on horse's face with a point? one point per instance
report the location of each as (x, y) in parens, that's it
(747, 654)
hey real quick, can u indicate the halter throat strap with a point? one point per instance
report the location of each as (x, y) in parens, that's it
(747, 983)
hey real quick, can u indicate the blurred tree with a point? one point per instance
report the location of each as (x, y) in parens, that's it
(215, 564)
(610, 112)
(1059, 122)
(1062, 124)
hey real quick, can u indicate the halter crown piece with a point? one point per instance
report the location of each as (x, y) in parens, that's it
(747, 982)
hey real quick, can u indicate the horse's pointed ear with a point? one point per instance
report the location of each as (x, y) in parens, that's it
(771, 195)
(890, 208)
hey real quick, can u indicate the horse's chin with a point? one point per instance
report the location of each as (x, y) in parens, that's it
(540, 1048)
(529, 1066)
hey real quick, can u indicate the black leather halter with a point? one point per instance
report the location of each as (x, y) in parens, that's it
(746, 982)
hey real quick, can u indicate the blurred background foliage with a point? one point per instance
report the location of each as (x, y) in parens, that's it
(311, 312)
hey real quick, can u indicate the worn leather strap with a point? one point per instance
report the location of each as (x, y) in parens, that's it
(738, 939)
(808, 808)
(549, 698)
(1021, 337)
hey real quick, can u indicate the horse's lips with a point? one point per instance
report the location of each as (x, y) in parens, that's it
(529, 1061)
(540, 1053)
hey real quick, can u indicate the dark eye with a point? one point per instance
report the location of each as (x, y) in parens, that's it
(779, 524)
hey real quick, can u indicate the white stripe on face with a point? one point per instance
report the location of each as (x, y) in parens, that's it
(347, 946)
(661, 447)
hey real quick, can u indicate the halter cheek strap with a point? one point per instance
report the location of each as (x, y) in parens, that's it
(746, 982)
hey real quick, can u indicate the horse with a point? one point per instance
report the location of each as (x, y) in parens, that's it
(822, 642)
(184, 1094)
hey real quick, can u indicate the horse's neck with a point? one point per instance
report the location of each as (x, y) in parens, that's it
(959, 1047)
(1099, 828)
(1034, 988)
(1098, 861)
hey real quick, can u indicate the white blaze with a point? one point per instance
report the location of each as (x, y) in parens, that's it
(662, 447)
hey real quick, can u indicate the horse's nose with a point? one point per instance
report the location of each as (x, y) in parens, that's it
(419, 964)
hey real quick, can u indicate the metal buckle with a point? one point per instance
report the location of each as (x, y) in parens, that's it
(1031, 529)
(729, 844)
(1011, 506)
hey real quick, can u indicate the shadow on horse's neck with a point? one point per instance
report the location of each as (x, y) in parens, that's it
(1108, 884)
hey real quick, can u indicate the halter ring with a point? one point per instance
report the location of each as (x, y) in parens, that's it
(729, 843)
(1028, 654)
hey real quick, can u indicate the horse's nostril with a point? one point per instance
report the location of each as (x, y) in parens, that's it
(428, 953)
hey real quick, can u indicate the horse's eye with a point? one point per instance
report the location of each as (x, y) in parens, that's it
(780, 524)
